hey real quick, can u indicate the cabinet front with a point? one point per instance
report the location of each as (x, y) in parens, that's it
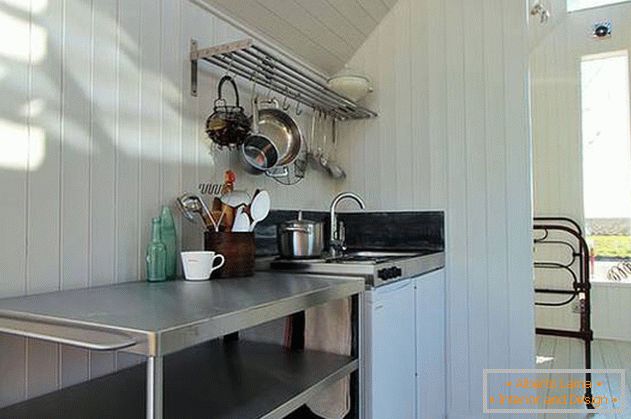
(391, 354)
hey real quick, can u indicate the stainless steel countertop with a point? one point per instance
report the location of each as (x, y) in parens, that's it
(155, 319)
(411, 267)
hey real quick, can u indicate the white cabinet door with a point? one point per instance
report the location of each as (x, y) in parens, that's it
(430, 346)
(391, 354)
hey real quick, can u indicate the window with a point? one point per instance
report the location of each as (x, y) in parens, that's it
(573, 5)
(607, 157)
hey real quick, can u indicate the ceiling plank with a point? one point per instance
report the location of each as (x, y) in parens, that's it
(251, 14)
(299, 18)
(334, 21)
(355, 14)
(375, 8)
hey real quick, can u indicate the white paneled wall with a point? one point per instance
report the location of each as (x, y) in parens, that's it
(555, 58)
(97, 130)
(453, 134)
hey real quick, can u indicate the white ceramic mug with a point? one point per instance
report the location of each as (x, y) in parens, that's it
(198, 266)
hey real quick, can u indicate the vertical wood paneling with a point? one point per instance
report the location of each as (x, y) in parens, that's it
(103, 159)
(43, 190)
(13, 205)
(107, 94)
(437, 106)
(404, 159)
(456, 216)
(460, 141)
(496, 217)
(75, 166)
(149, 117)
(387, 73)
(419, 87)
(518, 187)
(475, 97)
(128, 141)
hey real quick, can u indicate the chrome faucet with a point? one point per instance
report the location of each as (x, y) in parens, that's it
(338, 237)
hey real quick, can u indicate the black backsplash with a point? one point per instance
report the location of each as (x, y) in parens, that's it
(409, 230)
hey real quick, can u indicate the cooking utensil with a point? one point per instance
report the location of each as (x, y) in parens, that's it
(292, 173)
(216, 204)
(300, 238)
(258, 152)
(236, 198)
(312, 157)
(241, 222)
(259, 208)
(335, 170)
(191, 204)
(228, 125)
(227, 217)
(282, 130)
(324, 161)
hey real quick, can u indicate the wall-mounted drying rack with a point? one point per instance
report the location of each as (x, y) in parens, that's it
(265, 68)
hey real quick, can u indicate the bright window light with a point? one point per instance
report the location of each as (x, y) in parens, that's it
(21, 41)
(606, 140)
(21, 148)
(573, 5)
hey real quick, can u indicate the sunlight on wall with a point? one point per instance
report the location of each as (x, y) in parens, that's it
(20, 40)
(33, 108)
(36, 6)
(16, 151)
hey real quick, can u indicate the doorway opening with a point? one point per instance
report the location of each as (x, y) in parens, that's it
(581, 133)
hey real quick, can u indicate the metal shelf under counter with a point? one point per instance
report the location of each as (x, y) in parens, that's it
(218, 379)
(160, 320)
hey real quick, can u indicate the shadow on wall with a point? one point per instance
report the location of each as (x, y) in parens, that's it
(90, 146)
(38, 84)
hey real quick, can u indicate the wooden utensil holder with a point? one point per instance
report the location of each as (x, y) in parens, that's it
(239, 249)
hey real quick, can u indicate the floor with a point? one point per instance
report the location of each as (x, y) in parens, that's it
(555, 352)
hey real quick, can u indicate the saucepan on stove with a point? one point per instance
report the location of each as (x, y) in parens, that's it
(300, 238)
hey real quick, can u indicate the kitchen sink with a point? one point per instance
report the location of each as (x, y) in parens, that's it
(372, 256)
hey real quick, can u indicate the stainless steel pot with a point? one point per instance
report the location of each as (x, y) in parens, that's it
(258, 152)
(300, 239)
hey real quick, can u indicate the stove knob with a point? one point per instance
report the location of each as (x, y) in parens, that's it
(397, 272)
(383, 274)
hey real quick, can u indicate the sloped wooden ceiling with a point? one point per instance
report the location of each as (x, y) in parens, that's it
(324, 33)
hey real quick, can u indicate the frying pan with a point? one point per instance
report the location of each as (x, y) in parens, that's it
(282, 130)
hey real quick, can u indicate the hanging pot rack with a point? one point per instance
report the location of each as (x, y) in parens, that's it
(260, 66)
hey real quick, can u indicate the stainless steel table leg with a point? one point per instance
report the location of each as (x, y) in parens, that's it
(154, 387)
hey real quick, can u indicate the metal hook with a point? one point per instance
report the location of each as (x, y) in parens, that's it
(298, 110)
(253, 80)
(230, 65)
(286, 104)
(269, 93)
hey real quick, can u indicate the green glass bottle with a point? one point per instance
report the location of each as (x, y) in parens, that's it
(156, 255)
(167, 236)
